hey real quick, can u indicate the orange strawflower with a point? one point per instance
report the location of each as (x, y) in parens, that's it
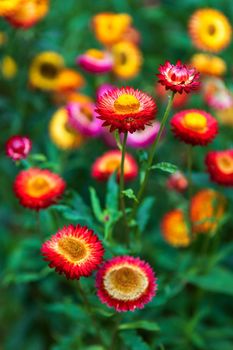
(206, 210)
(175, 229)
(28, 13)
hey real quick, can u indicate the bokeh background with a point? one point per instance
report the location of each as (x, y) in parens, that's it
(40, 310)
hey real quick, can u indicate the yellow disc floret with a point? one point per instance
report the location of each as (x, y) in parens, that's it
(126, 103)
(195, 121)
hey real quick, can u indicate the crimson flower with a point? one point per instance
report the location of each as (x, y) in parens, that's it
(220, 166)
(18, 147)
(126, 109)
(75, 251)
(178, 77)
(125, 283)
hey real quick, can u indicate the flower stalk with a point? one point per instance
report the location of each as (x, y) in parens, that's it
(152, 153)
(122, 180)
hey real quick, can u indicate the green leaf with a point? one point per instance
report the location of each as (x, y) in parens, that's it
(143, 214)
(39, 157)
(25, 277)
(218, 280)
(95, 202)
(129, 193)
(133, 340)
(112, 194)
(165, 166)
(147, 325)
(103, 312)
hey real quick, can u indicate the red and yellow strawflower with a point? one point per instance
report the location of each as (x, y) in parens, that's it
(8, 7)
(38, 188)
(74, 251)
(28, 13)
(220, 166)
(194, 126)
(125, 283)
(109, 162)
(126, 109)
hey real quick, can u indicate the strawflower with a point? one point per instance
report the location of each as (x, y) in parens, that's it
(125, 283)
(82, 117)
(178, 77)
(110, 161)
(220, 166)
(207, 208)
(74, 251)
(210, 30)
(194, 126)
(175, 229)
(18, 147)
(95, 61)
(38, 188)
(126, 109)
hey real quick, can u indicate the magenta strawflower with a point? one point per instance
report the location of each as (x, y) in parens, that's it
(95, 61)
(178, 77)
(83, 118)
(18, 147)
(144, 138)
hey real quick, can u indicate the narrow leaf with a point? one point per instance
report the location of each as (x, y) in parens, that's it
(95, 202)
(147, 325)
(167, 167)
(144, 210)
(129, 193)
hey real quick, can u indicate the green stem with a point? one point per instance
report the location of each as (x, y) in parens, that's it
(190, 165)
(38, 223)
(113, 344)
(152, 153)
(122, 180)
(90, 313)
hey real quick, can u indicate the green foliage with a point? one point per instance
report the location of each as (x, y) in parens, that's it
(42, 310)
(165, 166)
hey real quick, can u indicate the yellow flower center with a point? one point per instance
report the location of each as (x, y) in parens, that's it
(195, 121)
(126, 103)
(95, 54)
(38, 186)
(112, 164)
(73, 249)
(225, 163)
(125, 283)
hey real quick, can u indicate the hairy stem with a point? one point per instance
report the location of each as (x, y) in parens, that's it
(152, 153)
(122, 180)
(189, 166)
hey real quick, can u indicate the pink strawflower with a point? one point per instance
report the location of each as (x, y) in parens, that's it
(83, 118)
(95, 61)
(18, 147)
